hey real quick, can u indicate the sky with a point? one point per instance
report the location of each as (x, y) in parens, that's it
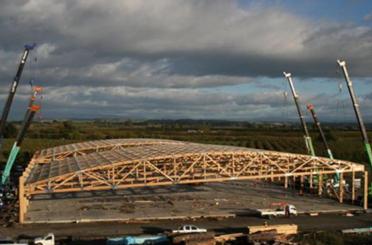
(195, 59)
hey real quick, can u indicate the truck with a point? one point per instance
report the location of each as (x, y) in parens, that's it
(46, 240)
(281, 210)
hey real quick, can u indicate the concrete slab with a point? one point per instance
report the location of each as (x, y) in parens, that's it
(236, 198)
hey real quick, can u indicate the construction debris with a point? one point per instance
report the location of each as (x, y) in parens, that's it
(206, 238)
(357, 230)
(272, 234)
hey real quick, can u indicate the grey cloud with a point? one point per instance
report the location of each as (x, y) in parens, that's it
(129, 102)
(368, 17)
(125, 72)
(198, 37)
(191, 103)
(164, 57)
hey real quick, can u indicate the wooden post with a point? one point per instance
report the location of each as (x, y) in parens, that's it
(22, 203)
(144, 172)
(365, 202)
(320, 185)
(286, 182)
(341, 188)
(353, 187)
(272, 177)
(302, 185)
(311, 182)
(233, 164)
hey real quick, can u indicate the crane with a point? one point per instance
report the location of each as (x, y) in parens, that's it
(311, 109)
(308, 141)
(30, 113)
(17, 144)
(35, 91)
(13, 89)
(358, 114)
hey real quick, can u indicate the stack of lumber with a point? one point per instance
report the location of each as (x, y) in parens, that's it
(286, 229)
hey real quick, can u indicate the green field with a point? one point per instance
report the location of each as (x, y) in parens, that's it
(344, 142)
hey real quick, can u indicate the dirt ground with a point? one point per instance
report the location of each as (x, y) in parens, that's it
(227, 199)
(85, 233)
(158, 209)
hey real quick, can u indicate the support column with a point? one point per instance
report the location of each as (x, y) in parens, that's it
(302, 185)
(272, 177)
(365, 201)
(144, 172)
(22, 201)
(286, 182)
(311, 182)
(341, 188)
(320, 185)
(353, 187)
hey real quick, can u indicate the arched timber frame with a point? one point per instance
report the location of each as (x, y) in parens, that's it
(167, 163)
(83, 148)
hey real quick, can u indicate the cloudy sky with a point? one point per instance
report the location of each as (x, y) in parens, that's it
(201, 59)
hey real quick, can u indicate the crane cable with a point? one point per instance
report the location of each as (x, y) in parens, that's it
(340, 103)
(285, 100)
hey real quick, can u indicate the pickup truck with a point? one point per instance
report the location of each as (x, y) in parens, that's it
(46, 240)
(280, 211)
(188, 229)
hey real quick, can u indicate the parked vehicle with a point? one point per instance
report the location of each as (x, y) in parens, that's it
(46, 240)
(189, 229)
(135, 240)
(8, 241)
(1, 198)
(283, 210)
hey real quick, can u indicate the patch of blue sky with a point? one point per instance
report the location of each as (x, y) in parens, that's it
(335, 10)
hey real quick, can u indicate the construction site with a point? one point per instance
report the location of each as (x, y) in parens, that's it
(155, 180)
(113, 165)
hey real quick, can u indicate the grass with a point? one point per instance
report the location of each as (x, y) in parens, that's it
(345, 143)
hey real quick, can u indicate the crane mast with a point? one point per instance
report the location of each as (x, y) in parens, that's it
(35, 91)
(30, 113)
(308, 141)
(358, 114)
(311, 109)
(13, 89)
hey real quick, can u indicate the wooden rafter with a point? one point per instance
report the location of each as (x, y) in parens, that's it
(168, 163)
